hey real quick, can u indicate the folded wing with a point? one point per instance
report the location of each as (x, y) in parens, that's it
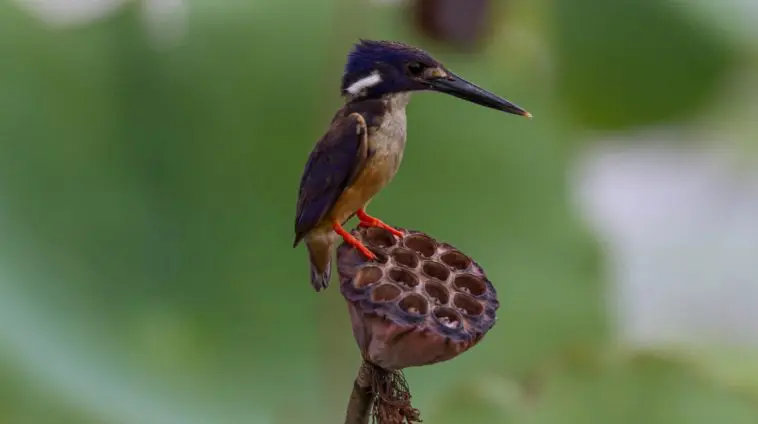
(333, 164)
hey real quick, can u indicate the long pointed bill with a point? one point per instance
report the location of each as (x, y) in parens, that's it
(456, 86)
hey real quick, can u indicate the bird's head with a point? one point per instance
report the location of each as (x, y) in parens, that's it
(378, 68)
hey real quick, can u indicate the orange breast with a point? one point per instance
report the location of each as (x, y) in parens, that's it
(377, 172)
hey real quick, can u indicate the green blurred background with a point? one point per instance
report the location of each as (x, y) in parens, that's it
(150, 153)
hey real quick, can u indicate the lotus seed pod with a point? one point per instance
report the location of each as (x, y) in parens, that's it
(420, 302)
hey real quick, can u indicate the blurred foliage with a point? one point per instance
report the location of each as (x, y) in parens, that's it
(634, 62)
(602, 387)
(147, 198)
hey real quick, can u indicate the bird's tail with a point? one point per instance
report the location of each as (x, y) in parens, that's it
(319, 252)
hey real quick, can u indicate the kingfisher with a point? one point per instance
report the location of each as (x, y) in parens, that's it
(362, 149)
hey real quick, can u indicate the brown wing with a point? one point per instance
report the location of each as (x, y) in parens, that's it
(333, 164)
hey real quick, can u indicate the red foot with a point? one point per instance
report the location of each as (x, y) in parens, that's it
(349, 239)
(369, 221)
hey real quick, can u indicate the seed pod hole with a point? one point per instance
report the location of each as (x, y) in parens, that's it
(367, 276)
(421, 244)
(456, 260)
(403, 276)
(381, 257)
(470, 284)
(414, 303)
(467, 305)
(385, 293)
(448, 317)
(436, 270)
(405, 257)
(379, 237)
(438, 293)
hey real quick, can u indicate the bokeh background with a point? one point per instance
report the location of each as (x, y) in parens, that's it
(150, 153)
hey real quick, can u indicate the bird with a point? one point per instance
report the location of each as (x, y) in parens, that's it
(362, 149)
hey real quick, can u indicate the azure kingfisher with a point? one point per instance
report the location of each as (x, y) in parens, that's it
(362, 150)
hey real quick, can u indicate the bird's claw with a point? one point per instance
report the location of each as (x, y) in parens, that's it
(365, 251)
(369, 221)
(351, 240)
(379, 224)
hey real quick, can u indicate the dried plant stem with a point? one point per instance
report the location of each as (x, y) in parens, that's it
(362, 398)
(382, 395)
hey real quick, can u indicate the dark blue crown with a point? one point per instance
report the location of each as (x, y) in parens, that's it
(367, 55)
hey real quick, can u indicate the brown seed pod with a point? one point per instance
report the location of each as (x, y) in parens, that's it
(420, 302)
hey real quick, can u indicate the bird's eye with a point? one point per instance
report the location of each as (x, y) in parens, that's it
(415, 68)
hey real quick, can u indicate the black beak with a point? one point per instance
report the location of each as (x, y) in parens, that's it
(456, 86)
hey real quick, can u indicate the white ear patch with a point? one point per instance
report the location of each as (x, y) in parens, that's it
(364, 83)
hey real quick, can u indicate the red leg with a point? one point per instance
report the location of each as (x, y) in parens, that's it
(349, 239)
(369, 221)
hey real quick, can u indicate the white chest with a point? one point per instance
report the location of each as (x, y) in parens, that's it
(389, 138)
(388, 141)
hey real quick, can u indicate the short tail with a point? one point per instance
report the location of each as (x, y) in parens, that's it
(321, 263)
